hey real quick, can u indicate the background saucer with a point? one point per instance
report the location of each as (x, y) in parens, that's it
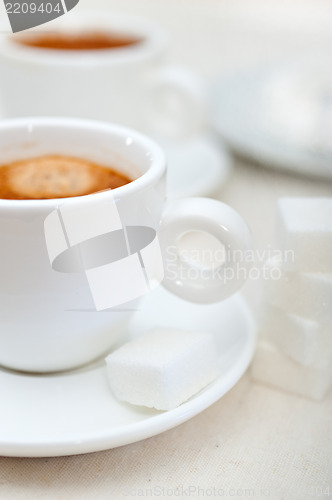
(196, 167)
(277, 114)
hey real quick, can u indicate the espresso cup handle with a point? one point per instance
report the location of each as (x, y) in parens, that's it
(177, 103)
(187, 229)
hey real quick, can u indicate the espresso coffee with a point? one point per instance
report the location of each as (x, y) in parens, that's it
(56, 176)
(80, 41)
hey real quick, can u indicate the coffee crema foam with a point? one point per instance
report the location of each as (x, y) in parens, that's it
(56, 176)
(79, 41)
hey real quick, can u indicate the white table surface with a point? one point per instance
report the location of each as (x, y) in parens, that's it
(256, 441)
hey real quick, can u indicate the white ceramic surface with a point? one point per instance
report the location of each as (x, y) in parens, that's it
(71, 268)
(279, 114)
(197, 167)
(131, 86)
(75, 412)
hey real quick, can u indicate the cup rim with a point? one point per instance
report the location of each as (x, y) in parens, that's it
(154, 41)
(156, 170)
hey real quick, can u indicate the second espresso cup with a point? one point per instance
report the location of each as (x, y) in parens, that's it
(129, 84)
(73, 268)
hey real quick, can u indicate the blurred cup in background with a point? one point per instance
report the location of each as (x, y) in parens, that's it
(71, 68)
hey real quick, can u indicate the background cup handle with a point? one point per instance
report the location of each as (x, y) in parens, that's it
(177, 103)
(187, 229)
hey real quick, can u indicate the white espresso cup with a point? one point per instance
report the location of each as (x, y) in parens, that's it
(130, 85)
(72, 269)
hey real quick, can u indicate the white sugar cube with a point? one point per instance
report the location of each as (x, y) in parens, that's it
(162, 368)
(272, 367)
(305, 294)
(303, 340)
(305, 227)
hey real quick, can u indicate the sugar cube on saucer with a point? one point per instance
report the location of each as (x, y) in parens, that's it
(272, 367)
(305, 227)
(163, 367)
(305, 341)
(306, 294)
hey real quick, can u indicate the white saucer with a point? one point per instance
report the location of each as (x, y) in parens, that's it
(197, 167)
(75, 412)
(276, 114)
